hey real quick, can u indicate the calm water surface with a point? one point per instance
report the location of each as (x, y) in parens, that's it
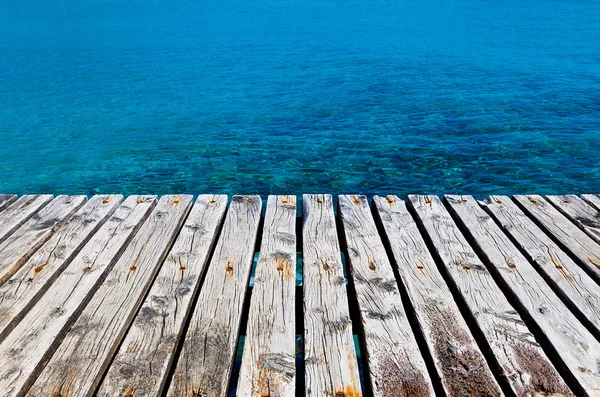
(280, 96)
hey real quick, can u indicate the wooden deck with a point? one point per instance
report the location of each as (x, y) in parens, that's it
(299, 296)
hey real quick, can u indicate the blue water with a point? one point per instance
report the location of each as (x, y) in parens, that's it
(280, 96)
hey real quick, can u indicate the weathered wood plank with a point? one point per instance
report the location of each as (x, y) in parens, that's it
(579, 212)
(558, 268)
(19, 212)
(32, 280)
(268, 362)
(592, 199)
(6, 200)
(329, 353)
(206, 359)
(49, 320)
(145, 356)
(532, 295)
(77, 365)
(395, 362)
(458, 360)
(523, 365)
(571, 238)
(20, 245)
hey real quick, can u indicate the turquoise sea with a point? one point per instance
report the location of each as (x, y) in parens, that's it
(282, 96)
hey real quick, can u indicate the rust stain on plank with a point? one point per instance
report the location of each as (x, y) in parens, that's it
(287, 202)
(594, 261)
(348, 391)
(39, 269)
(130, 392)
(283, 266)
(561, 269)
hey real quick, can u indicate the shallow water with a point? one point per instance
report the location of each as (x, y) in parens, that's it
(281, 96)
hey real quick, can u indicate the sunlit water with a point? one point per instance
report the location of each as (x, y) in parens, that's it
(282, 96)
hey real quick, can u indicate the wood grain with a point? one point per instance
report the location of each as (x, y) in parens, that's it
(20, 245)
(32, 280)
(523, 365)
(206, 359)
(142, 363)
(569, 236)
(77, 366)
(20, 211)
(6, 200)
(579, 212)
(395, 362)
(330, 358)
(559, 270)
(46, 324)
(532, 295)
(268, 361)
(592, 199)
(458, 360)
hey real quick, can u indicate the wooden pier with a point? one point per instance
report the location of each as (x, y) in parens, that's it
(299, 296)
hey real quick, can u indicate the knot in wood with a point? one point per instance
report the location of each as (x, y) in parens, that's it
(229, 269)
(176, 201)
(390, 200)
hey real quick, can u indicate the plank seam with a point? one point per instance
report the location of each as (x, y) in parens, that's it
(514, 301)
(462, 305)
(557, 241)
(353, 307)
(555, 287)
(234, 378)
(409, 308)
(143, 297)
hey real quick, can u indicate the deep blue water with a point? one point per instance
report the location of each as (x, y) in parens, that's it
(274, 96)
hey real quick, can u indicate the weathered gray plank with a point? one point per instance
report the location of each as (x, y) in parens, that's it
(532, 295)
(592, 199)
(558, 267)
(141, 366)
(458, 360)
(31, 281)
(570, 236)
(49, 320)
(268, 362)
(523, 364)
(6, 200)
(20, 245)
(76, 367)
(395, 362)
(330, 358)
(579, 212)
(204, 365)
(20, 211)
